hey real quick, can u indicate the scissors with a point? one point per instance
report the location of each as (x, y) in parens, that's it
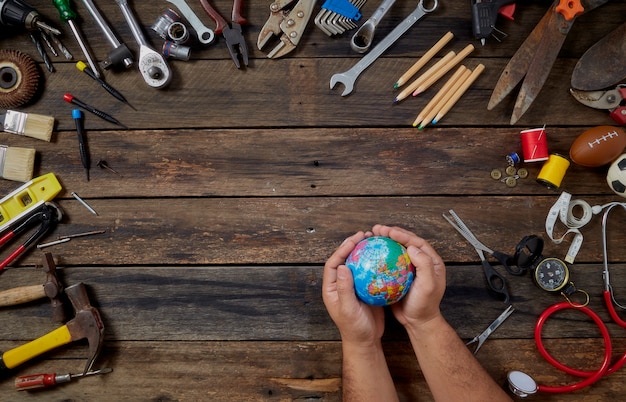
(491, 328)
(495, 280)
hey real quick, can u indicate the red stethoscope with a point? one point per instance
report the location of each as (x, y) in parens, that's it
(522, 385)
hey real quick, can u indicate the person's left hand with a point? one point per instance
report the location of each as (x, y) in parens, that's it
(358, 322)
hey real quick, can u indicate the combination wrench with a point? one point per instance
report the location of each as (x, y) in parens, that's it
(205, 34)
(152, 65)
(348, 78)
(362, 39)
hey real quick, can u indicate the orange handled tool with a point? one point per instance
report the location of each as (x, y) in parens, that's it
(38, 381)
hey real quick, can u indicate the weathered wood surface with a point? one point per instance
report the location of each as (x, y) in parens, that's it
(235, 186)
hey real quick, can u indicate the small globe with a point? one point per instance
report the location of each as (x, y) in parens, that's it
(381, 269)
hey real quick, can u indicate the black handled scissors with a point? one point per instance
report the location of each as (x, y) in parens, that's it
(495, 280)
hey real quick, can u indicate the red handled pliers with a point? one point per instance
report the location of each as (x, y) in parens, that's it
(235, 42)
(47, 216)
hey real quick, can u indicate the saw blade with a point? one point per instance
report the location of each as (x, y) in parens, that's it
(603, 64)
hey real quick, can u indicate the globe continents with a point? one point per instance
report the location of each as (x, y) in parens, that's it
(381, 269)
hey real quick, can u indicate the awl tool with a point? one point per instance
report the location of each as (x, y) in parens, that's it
(38, 381)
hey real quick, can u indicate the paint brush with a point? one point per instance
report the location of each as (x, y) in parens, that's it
(28, 124)
(16, 163)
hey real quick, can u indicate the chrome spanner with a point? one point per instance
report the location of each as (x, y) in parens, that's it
(363, 37)
(205, 34)
(348, 78)
(152, 65)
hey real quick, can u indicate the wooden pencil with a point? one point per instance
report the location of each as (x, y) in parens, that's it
(447, 87)
(411, 87)
(27, 124)
(423, 60)
(459, 92)
(444, 99)
(441, 72)
(16, 163)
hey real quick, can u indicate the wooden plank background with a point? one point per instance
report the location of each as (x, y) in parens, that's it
(234, 186)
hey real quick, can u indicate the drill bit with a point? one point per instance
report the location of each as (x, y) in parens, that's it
(41, 51)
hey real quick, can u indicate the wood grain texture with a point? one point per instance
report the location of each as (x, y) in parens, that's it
(234, 186)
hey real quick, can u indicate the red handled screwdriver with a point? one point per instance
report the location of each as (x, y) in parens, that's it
(37, 381)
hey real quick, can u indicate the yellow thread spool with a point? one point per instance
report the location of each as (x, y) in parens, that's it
(553, 171)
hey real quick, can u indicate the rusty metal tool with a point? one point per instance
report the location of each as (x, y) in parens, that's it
(603, 64)
(86, 324)
(47, 380)
(52, 288)
(232, 34)
(287, 21)
(613, 100)
(535, 57)
(348, 78)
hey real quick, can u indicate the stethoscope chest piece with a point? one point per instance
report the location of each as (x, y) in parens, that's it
(521, 384)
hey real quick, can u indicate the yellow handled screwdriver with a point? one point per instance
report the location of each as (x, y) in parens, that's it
(68, 15)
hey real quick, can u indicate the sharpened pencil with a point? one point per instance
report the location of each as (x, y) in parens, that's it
(444, 99)
(423, 60)
(441, 94)
(459, 92)
(418, 81)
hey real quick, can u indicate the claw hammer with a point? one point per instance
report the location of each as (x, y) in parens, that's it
(52, 288)
(86, 324)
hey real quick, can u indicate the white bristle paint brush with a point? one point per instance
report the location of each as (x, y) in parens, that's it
(16, 163)
(28, 124)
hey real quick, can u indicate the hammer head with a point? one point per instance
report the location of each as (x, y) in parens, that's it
(86, 324)
(53, 288)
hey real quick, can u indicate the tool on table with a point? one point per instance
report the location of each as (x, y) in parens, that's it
(535, 57)
(16, 13)
(46, 217)
(102, 164)
(235, 41)
(39, 46)
(495, 280)
(338, 16)
(86, 324)
(480, 339)
(38, 381)
(116, 94)
(51, 288)
(77, 115)
(364, 36)
(348, 78)
(69, 98)
(287, 23)
(152, 65)
(484, 15)
(120, 56)
(16, 163)
(613, 100)
(32, 125)
(205, 35)
(603, 64)
(19, 78)
(89, 208)
(25, 200)
(69, 16)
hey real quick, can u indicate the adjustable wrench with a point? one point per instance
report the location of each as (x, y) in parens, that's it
(348, 78)
(120, 55)
(205, 35)
(152, 65)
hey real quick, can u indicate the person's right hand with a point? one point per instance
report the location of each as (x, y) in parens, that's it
(421, 303)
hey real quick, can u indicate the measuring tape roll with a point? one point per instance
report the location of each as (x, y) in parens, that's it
(563, 210)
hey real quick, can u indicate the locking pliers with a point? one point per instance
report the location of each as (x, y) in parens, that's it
(288, 23)
(613, 100)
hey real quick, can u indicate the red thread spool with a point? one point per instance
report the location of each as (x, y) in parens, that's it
(534, 145)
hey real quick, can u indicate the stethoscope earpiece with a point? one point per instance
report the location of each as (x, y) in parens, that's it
(521, 384)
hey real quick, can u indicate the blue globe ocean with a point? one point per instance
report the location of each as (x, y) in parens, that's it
(381, 269)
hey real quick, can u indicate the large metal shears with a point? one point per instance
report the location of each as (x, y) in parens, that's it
(495, 280)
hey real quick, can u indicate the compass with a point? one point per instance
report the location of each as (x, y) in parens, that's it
(551, 274)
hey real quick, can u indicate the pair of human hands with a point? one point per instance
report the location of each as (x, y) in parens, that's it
(360, 323)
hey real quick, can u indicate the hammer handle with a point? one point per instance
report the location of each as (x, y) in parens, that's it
(23, 294)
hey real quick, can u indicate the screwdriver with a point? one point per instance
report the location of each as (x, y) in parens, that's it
(77, 115)
(68, 15)
(38, 381)
(18, 13)
(85, 69)
(69, 98)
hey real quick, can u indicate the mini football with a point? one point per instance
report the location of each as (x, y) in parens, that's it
(598, 146)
